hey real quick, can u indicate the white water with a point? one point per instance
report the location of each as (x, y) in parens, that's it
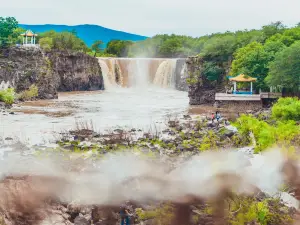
(140, 72)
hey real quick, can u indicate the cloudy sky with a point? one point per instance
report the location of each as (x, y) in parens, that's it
(150, 17)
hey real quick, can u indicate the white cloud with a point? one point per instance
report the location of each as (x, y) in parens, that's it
(149, 17)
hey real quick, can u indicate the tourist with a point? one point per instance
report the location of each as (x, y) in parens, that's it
(212, 117)
(124, 214)
(218, 116)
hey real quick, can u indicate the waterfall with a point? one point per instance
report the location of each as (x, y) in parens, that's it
(139, 73)
(105, 74)
(165, 74)
(142, 72)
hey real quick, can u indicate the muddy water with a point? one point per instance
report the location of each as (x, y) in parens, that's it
(41, 121)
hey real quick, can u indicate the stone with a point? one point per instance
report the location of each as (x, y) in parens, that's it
(12, 113)
(79, 220)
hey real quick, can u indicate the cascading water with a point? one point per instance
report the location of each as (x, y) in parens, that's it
(105, 74)
(165, 74)
(142, 72)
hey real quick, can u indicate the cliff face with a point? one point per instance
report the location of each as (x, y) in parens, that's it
(51, 72)
(201, 89)
(76, 71)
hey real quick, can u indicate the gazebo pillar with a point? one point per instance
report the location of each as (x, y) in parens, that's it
(26, 40)
(251, 88)
(234, 87)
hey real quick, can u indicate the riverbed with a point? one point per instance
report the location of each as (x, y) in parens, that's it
(41, 121)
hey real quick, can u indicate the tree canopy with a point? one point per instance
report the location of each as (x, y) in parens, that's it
(8, 26)
(285, 69)
(96, 47)
(63, 41)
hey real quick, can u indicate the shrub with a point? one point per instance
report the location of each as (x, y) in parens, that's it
(266, 135)
(29, 94)
(7, 96)
(287, 109)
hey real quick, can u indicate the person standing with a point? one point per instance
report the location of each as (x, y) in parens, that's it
(218, 116)
(124, 214)
(212, 117)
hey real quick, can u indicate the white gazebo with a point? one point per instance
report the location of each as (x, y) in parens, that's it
(29, 38)
(243, 78)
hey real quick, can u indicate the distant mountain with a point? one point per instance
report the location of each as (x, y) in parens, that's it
(88, 33)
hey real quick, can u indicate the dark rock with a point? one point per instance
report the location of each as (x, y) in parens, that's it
(202, 90)
(8, 139)
(172, 123)
(80, 220)
(12, 113)
(118, 131)
(50, 72)
(187, 117)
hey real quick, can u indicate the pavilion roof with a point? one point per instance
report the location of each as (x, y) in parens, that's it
(29, 33)
(243, 78)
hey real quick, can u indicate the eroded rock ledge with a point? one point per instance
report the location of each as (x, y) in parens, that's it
(50, 72)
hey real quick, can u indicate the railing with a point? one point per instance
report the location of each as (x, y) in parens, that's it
(270, 95)
(237, 97)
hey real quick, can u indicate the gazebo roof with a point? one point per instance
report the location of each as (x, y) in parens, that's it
(243, 78)
(29, 33)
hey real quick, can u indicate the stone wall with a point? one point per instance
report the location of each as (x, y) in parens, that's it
(52, 72)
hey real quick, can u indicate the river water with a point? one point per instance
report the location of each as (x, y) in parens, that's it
(41, 121)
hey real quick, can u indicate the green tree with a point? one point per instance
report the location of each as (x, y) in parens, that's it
(64, 41)
(15, 37)
(219, 48)
(252, 60)
(46, 43)
(118, 47)
(273, 28)
(7, 27)
(96, 47)
(285, 69)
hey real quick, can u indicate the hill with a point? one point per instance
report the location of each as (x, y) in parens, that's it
(88, 33)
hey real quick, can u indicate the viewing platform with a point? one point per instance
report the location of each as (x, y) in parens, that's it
(246, 97)
(242, 95)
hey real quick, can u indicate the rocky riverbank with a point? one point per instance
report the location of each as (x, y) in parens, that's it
(185, 140)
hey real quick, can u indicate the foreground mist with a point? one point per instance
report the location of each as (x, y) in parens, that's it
(121, 177)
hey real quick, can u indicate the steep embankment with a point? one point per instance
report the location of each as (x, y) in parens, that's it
(50, 72)
(201, 89)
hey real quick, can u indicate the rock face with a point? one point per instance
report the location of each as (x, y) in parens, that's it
(202, 90)
(76, 71)
(55, 71)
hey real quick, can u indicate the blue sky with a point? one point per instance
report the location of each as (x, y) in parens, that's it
(150, 17)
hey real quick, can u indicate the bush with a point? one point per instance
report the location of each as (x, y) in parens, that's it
(7, 96)
(29, 94)
(46, 43)
(287, 109)
(266, 135)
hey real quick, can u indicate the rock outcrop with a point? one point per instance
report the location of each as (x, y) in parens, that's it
(202, 90)
(51, 72)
